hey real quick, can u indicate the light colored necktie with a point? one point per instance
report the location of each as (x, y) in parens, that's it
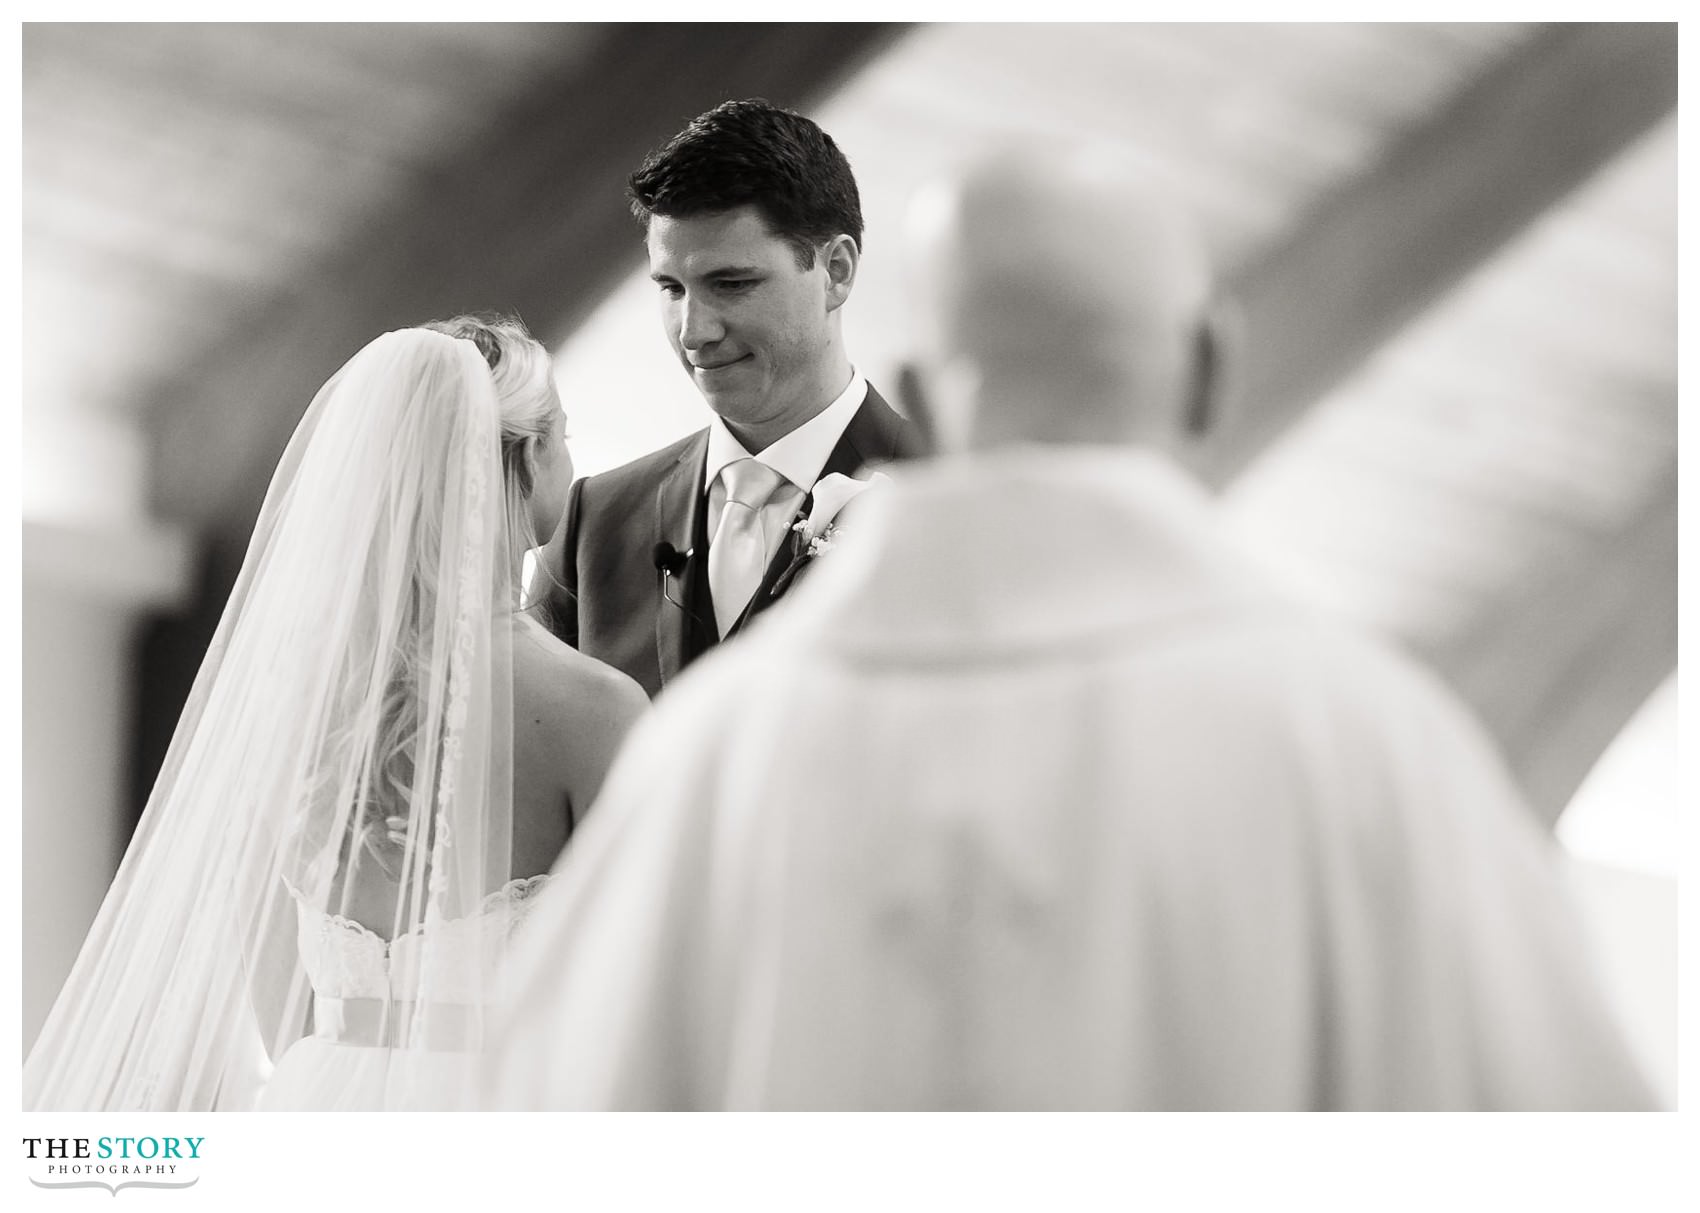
(737, 555)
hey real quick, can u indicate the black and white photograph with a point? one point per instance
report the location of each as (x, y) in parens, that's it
(921, 567)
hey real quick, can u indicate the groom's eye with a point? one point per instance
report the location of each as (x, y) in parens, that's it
(736, 284)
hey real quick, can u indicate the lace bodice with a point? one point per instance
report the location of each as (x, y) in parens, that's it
(344, 959)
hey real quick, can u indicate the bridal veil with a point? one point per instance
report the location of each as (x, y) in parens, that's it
(345, 754)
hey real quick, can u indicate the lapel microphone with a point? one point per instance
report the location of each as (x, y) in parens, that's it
(669, 559)
(670, 562)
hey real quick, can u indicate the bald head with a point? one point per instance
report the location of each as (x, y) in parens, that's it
(1060, 298)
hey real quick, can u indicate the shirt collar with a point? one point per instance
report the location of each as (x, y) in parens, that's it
(801, 454)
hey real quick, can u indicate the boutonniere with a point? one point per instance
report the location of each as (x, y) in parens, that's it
(815, 531)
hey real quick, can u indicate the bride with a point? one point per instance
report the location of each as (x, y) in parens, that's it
(382, 755)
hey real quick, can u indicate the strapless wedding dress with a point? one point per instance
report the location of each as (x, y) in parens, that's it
(351, 1062)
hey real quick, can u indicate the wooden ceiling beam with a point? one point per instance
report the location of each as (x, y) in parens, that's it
(1446, 196)
(1558, 665)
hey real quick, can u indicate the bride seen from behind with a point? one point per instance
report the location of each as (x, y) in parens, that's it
(382, 755)
(570, 711)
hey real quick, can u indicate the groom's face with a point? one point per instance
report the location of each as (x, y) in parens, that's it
(749, 326)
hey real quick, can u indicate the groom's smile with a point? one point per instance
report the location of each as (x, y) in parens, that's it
(706, 369)
(748, 322)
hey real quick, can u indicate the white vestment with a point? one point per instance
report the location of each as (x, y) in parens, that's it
(1033, 797)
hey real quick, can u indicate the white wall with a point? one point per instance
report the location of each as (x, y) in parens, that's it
(85, 588)
(1631, 917)
(75, 718)
(1623, 832)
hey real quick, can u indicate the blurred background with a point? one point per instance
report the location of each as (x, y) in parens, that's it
(1452, 247)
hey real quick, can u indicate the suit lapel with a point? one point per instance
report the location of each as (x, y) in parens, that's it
(864, 440)
(678, 501)
(849, 455)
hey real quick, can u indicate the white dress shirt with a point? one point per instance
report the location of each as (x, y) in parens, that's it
(798, 458)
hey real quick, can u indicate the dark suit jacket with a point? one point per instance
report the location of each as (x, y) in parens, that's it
(612, 606)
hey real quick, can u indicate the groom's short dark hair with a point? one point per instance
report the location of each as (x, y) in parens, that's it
(751, 153)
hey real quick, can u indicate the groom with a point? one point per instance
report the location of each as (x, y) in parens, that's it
(754, 230)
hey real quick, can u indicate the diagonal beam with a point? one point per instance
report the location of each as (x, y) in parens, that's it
(1557, 666)
(1451, 192)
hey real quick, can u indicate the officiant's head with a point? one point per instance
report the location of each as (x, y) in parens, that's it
(1062, 297)
(754, 229)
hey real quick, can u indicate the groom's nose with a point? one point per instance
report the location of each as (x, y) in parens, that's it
(699, 323)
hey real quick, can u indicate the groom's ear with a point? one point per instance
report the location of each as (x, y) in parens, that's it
(841, 258)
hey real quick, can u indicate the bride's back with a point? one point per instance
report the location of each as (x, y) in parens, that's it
(570, 714)
(488, 745)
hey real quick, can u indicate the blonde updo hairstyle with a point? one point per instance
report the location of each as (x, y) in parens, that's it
(525, 396)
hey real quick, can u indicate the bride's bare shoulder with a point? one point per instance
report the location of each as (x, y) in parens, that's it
(571, 714)
(552, 676)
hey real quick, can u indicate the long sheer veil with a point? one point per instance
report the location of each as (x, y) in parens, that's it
(361, 673)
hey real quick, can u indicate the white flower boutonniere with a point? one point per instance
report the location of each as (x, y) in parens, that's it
(815, 532)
